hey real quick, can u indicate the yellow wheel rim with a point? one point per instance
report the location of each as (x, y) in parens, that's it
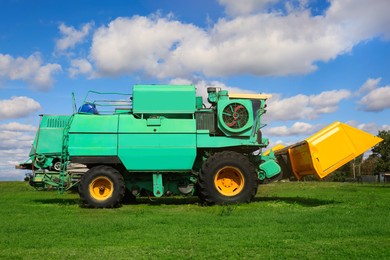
(229, 181)
(101, 188)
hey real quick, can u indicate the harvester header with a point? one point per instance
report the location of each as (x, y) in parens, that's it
(325, 151)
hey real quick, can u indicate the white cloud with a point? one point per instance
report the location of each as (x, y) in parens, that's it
(71, 36)
(16, 140)
(143, 44)
(359, 19)
(18, 127)
(298, 128)
(181, 81)
(265, 44)
(304, 106)
(43, 76)
(234, 7)
(259, 43)
(279, 108)
(376, 98)
(202, 85)
(80, 67)
(371, 127)
(8, 159)
(328, 98)
(368, 86)
(13, 140)
(31, 70)
(18, 107)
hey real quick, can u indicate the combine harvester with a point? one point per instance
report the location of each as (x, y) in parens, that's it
(163, 140)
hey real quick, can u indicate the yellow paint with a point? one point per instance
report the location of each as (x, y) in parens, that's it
(229, 181)
(249, 96)
(275, 148)
(328, 150)
(101, 188)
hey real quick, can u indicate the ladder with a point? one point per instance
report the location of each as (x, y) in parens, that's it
(64, 176)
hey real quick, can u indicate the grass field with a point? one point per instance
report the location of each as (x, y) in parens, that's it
(307, 220)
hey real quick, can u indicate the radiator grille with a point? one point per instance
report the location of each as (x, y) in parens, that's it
(56, 122)
(205, 121)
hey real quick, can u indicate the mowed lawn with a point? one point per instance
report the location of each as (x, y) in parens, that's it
(300, 220)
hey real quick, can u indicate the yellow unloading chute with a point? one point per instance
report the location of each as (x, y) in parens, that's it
(325, 151)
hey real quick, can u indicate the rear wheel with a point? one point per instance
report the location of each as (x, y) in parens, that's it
(102, 187)
(227, 177)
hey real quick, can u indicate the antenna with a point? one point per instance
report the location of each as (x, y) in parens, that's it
(74, 103)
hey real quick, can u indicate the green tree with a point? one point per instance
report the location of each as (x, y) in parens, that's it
(382, 152)
(368, 166)
(341, 173)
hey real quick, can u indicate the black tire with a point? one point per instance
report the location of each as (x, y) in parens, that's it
(102, 187)
(227, 177)
(56, 165)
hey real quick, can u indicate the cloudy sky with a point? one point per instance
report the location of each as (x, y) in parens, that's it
(322, 60)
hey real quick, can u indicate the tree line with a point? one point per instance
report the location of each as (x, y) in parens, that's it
(377, 162)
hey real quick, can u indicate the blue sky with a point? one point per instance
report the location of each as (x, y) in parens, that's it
(323, 61)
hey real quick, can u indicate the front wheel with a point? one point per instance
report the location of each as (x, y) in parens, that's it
(102, 187)
(57, 165)
(227, 177)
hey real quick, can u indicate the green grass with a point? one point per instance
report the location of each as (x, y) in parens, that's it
(308, 220)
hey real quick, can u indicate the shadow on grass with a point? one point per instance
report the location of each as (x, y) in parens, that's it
(385, 185)
(138, 201)
(305, 202)
(62, 202)
(165, 201)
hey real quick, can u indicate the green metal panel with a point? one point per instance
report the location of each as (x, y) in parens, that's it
(158, 187)
(153, 121)
(48, 139)
(199, 102)
(93, 135)
(89, 123)
(164, 99)
(165, 147)
(161, 152)
(204, 140)
(269, 169)
(83, 144)
(130, 124)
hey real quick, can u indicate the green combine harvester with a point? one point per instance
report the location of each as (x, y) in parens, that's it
(162, 140)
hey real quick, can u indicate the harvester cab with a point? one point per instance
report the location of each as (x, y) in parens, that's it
(162, 140)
